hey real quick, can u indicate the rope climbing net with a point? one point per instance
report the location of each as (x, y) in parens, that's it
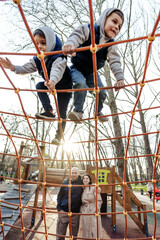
(42, 180)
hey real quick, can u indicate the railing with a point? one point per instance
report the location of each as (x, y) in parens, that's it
(142, 224)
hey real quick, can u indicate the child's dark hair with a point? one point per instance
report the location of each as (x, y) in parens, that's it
(119, 13)
(90, 182)
(39, 32)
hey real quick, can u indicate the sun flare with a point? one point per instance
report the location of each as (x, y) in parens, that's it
(68, 146)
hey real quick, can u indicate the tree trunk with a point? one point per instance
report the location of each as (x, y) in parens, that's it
(149, 163)
(118, 143)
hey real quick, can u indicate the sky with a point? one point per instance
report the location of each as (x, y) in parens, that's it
(5, 46)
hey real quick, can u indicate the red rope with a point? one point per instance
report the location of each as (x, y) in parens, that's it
(96, 160)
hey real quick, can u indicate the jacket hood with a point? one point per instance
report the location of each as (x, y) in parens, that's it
(102, 19)
(50, 37)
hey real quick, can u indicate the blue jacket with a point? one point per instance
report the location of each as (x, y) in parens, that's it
(76, 192)
(65, 82)
(83, 60)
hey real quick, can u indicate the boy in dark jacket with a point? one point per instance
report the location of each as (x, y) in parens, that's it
(58, 72)
(106, 29)
(63, 201)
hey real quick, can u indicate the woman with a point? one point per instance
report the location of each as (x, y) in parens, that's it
(89, 222)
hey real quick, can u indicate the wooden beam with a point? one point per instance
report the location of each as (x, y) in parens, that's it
(9, 206)
(12, 197)
(22, 189)
(7, 215)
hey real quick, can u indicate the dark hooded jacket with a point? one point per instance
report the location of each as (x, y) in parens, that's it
(76, 192)
(56, 64)
(53, 44)
(81, 37)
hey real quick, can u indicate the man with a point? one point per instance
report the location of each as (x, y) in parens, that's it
(63, 205)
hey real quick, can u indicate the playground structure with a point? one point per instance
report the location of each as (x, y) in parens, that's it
(44, 178)
(107, 178)
(107, 181)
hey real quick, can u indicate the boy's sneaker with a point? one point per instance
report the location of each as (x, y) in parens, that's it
(56, 141)
(45, 115)
(75, 116)
(102, 117)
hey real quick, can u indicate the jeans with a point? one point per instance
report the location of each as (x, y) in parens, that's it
(63, 101)
(62, 224)
(80, 81)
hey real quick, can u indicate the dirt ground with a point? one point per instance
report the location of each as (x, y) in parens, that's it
(133, 232)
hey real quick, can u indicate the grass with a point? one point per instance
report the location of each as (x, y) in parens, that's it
(138, 187)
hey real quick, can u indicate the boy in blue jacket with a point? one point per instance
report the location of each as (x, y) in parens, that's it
(106, 29)
(58, 72)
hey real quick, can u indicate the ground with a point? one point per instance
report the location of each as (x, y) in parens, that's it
(133, 232)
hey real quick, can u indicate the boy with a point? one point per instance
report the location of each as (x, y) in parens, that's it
(107, 27)
(58, 72)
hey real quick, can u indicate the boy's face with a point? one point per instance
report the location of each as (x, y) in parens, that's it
(41, 42)
(112, 25)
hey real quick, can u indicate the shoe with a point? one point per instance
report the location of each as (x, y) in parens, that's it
(75, 116)
(102, 118)
(56, 141)
(45, 115)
